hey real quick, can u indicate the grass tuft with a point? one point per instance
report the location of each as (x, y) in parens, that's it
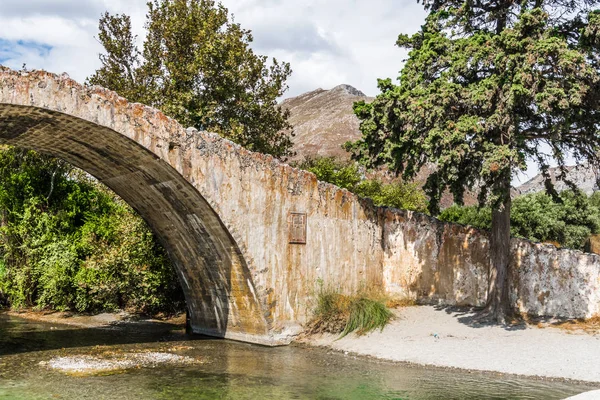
(340, 314)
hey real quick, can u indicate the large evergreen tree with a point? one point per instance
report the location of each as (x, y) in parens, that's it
(486, 87)
(197, 66)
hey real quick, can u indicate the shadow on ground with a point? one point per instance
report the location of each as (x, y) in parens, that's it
(468, 316)
(18, 335)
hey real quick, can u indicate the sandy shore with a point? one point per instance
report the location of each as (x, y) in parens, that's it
(441, 337)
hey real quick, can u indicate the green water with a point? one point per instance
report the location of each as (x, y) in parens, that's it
(230, 370)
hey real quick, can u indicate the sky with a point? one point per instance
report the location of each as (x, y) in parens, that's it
(327, 42)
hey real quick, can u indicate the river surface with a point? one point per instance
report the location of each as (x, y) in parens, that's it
(230, 370)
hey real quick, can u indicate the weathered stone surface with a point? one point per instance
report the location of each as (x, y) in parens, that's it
(432, 261)
(592, 244)
(222, 214)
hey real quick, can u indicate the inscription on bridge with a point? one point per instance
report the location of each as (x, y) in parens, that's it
(297, 228)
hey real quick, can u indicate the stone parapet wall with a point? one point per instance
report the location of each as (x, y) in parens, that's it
(547, 281)
(431, 261)
(442, 263)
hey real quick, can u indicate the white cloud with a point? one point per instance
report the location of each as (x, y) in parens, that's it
(331, 42)
(327, 42)
(63, 8)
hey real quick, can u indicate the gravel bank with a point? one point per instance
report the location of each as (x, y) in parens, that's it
(441, 337)
(103, 320)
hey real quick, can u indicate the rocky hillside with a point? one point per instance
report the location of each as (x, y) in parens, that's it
(323, 121)
(584, 176)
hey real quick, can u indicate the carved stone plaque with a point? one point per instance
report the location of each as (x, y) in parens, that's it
(297, 228)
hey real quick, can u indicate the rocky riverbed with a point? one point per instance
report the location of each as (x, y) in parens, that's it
(87, 364)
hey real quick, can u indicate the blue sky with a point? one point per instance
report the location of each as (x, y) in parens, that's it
(13, 52)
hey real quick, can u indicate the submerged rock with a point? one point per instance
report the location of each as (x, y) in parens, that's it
(86, 364)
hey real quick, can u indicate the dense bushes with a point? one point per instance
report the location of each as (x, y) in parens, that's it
(567, 222)
(407, 196)
(68, 243)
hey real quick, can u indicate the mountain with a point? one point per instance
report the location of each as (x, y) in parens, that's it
(323, 121)
(584, 176)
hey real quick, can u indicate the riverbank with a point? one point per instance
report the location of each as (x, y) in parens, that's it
(103, 320)
(428, 336)
(446, 337)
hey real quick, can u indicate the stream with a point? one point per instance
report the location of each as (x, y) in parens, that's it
(205, 368)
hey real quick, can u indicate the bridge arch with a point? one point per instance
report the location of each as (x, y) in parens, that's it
(222, 212)
(138, 153)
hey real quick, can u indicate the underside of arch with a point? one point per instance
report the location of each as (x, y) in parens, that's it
(215, 278)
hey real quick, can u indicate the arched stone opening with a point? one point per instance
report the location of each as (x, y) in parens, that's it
(141, 160)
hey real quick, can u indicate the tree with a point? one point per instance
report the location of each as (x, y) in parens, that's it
(485, 85)
(196, 65)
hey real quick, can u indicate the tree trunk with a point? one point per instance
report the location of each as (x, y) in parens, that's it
(497, 306)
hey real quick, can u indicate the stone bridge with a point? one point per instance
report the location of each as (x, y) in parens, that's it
(222, 213)
(252, 238)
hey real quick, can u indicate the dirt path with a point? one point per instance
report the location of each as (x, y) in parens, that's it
(441, 337)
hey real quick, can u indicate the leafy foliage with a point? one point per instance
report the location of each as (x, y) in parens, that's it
(538, 217)
(68, 243)
(406, 196)
(196, 65)
(329, 169)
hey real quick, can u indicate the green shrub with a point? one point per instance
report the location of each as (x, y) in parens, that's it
(340, 314)
(328, 169)
(406, 196)
(68, 243)
(568, 220)
(474, 216)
